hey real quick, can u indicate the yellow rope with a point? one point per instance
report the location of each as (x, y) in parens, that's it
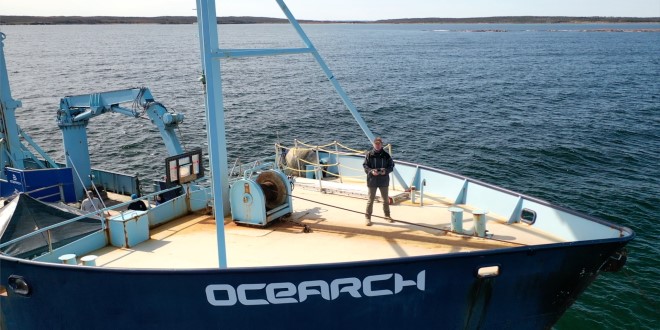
(315, 147)
(351, 149)
(322, 148)
(293, 169)
(351, 168)
(277, 145)
(284, 167)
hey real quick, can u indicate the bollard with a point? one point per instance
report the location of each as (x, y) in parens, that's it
(68, 259)
(479, 222)
(421, 193)
(456, 219)
(89, 260)
(412, 194)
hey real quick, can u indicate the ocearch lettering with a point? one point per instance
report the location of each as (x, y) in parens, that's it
(288, 293)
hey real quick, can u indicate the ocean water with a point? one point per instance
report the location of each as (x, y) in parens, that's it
(559, 112)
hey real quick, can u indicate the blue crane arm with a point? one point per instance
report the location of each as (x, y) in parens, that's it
(79, 109)
(76, 111)
(11, 153)
(166, 122)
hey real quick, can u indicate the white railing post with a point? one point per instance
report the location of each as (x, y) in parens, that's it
(318, 172)
(338, 163)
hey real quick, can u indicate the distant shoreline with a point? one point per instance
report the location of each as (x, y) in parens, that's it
(67, 20)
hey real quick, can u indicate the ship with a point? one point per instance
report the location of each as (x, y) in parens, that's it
(278, 243)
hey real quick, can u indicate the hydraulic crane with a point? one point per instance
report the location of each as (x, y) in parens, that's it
(12, 151)
(76, 111)
(16, 159)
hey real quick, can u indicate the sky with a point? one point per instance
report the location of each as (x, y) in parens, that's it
(338, 9)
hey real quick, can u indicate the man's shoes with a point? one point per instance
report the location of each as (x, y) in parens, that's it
(389, 219)
(368, 221)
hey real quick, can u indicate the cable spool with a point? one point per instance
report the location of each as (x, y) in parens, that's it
(258, 200)
(273, 187)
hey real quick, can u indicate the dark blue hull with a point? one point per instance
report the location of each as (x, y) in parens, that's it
(534, 287)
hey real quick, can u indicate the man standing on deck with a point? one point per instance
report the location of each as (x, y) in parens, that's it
(378, 165)
(137, 204)
(91, 203)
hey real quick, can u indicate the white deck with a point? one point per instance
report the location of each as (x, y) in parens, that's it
(338, 235)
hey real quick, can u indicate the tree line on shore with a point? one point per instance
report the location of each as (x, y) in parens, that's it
(55, 20)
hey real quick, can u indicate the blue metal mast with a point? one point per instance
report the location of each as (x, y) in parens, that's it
(11, 153)
(208, 42)
(331, 77)
(211, 54)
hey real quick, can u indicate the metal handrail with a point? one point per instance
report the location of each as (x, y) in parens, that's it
(85, 216)
(60, 192)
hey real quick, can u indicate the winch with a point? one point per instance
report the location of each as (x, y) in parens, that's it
(260, 197)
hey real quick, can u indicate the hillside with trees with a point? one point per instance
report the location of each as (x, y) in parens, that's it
(56, 20)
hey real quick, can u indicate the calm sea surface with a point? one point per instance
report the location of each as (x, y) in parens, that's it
(554, 111)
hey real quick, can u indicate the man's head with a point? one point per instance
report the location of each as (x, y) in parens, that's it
(378, 143)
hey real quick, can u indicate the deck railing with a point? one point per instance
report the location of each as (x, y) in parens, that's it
(454, 189)
(98, 213)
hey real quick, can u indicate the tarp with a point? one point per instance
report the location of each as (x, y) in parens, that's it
(24, 215)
